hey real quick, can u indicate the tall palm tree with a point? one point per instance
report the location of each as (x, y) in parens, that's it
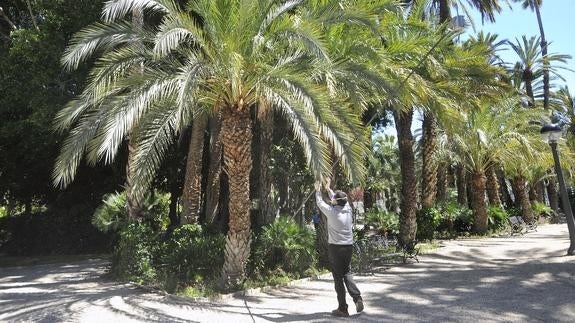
(401, 58)
(535, 5)
(226, 56)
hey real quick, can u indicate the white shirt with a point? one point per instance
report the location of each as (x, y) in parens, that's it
(339, 221)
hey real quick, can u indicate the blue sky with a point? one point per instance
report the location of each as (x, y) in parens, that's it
(558, 23)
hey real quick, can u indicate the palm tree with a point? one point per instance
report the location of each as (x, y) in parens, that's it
(400, 62)
(530, 67)
(534, 5)
(483, 140)
(225, 56)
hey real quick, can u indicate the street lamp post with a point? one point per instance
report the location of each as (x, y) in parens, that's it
(551, 133)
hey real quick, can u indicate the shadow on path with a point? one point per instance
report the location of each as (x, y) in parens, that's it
(518, 279)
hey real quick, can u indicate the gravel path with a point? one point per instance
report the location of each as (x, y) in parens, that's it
(519, 279)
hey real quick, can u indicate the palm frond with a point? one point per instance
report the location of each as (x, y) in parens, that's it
(118, 9)
(154, 137)
(99, 37)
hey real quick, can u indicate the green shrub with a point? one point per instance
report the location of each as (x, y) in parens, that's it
(464, 220)
(540, 209)
(428, 220)
(112, 214)
(497, 218)
(448, 212)
(284, 245)
(386, 223)
(190, 254)
(133, 258)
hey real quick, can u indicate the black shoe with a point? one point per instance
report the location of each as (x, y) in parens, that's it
(359, 305)
(340, 313)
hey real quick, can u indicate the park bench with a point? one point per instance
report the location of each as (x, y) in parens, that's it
(518, 225)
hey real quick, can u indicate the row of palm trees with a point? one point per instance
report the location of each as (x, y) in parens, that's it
(220, 67)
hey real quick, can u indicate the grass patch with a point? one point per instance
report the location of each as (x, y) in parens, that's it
(428, 247)
(197, 291)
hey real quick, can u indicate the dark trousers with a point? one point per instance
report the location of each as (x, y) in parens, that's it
(340, 260)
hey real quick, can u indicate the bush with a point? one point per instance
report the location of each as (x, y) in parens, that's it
(189, 253)
(386, 223)
(448, 212)
(133, 258)
(464, 220)
(428, 220)
(284, 245)
(540, 209)
(497, 218)
(112, 214)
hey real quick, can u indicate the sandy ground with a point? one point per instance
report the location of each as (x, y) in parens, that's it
(518, 279)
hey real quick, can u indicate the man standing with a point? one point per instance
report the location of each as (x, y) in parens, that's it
(340, 238)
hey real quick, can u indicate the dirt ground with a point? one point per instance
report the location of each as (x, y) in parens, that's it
(524, 278)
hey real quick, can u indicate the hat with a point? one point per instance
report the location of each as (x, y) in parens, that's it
(340, 198)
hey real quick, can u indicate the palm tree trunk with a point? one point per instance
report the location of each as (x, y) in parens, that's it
(237, 141)
(523, 198)
(503, 188)
(553, 194)
(441, 182)
(408, 204)
(478, 204)
(444, 11)
(528, 79)
(461, 182)
(192, 194)
(133, 203)
(540, 192)
(215, 169)
(429, 168)
(492, 187)
(544, 55)
(267, 213)
(322, 241)
(532, 193)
